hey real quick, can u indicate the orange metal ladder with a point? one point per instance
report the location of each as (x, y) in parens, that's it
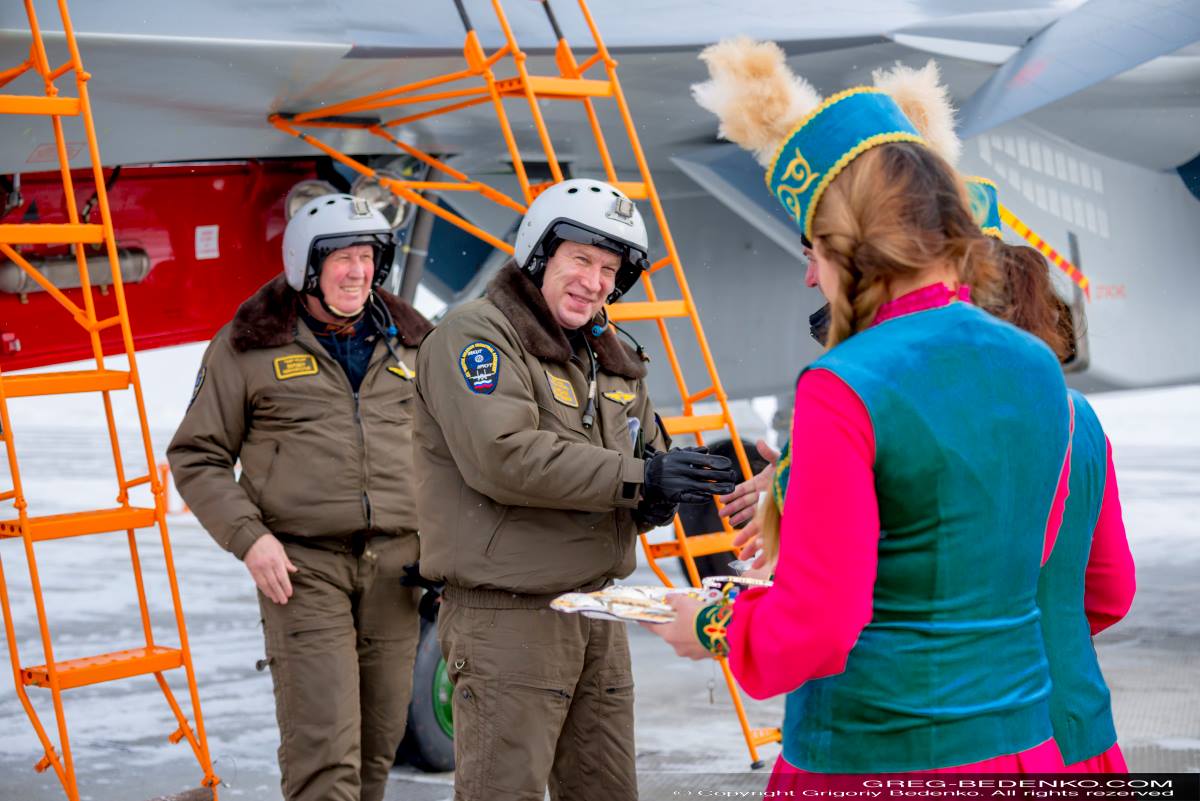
(569, 85)
(149, 658)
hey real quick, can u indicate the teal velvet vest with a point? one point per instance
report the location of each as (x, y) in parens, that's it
(971, 424)
(1080, 710)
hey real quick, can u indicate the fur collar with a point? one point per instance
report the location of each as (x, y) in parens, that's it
(521, 301)
(267, 319)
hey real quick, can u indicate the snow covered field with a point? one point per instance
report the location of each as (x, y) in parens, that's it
(119, 731)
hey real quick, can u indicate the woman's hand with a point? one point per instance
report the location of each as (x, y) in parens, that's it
(740, 505)
(680, 633)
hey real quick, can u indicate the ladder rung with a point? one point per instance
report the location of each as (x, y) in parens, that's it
(137, 482)
(36, 104)
(764, 736)
(635, 190)
(78, 524)
(644, 310)
(694, 424)
(64, 382)
(107, 322)
(699, 545)
(51, 234)
(106, 667)
(546, 86)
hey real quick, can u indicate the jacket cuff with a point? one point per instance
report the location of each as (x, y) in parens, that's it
(246, 535)
(629, 485)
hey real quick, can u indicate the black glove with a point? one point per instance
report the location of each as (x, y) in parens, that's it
(690, 475)
(431, 600)
(653, 515)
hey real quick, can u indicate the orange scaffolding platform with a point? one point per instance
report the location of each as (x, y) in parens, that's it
(149, 658)
(481, 86)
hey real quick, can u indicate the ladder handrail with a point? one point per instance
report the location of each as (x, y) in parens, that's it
(78, 234)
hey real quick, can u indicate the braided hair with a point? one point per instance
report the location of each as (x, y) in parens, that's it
(895, 211)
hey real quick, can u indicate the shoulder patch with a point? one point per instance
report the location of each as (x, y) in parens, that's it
(402, 370)
(199, 383)
(480, 365)
(622, 398)
(564, 393)
(295, 366)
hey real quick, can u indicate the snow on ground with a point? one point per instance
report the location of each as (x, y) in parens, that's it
(684, 716)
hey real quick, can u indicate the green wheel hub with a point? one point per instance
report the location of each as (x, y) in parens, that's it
(443, 699)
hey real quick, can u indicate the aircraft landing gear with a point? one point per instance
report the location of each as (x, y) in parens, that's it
(429, 739)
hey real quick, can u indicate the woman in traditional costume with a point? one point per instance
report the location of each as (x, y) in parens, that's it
(1088, 583)
(927, 446)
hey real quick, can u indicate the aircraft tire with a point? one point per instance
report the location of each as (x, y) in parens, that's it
(428, 743)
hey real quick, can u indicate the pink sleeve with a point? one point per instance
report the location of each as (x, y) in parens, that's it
(1059, 507)
(1110, 583)
(805, 625)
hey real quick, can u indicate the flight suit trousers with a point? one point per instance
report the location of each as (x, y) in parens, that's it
(541, 699)
(341, 652)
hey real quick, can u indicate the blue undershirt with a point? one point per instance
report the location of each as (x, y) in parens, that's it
(351, 345)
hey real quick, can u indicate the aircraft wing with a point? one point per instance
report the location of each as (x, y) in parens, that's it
(1100, 39)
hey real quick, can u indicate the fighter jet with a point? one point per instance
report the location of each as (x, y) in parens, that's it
(1084, 113)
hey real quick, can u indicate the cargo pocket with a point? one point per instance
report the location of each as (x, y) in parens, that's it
(608, 756)
(474, 733)
(615, 693)
(529, 715)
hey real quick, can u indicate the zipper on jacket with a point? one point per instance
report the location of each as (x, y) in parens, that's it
(362, 434)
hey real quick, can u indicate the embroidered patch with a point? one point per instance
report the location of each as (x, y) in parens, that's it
(480, 365)
(199, 383)
(564, 393)
(620, 397)
(403, 371)
(294, 366)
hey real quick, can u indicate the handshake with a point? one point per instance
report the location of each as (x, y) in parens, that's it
(683, 475)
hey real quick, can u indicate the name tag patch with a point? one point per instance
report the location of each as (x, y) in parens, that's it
(622, 398)
(295, 366)
(563, 392)
(480, 365)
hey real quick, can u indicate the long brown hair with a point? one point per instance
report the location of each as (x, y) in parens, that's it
(894, 211)
(1027, 299)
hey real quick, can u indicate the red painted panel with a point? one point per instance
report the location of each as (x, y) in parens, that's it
(188, 294)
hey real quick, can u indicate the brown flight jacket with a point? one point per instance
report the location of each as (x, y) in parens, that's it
(318, 460)
(514, 492)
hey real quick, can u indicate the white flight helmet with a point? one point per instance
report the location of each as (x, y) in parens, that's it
(591, 213)
(328, 223)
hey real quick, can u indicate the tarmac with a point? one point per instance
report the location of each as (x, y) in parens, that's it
(688, 739)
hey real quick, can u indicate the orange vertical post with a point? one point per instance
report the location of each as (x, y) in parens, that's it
(150, 658)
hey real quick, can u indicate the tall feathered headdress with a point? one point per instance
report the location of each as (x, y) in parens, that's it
(805, 142)
(925, 101)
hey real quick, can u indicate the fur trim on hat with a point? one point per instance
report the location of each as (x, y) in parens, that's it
(522, 302)
(267, 319)
(924, 100)
(757, 98)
